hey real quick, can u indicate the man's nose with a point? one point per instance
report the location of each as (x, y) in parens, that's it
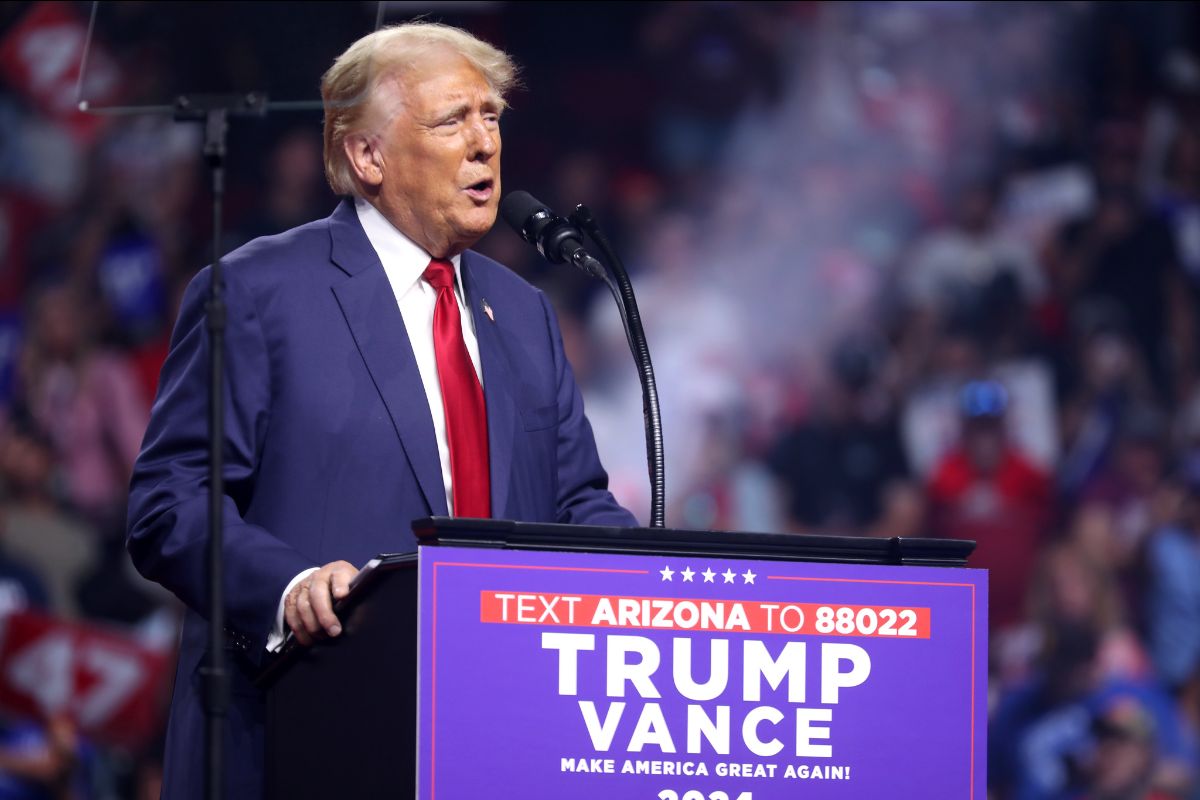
(484, 141)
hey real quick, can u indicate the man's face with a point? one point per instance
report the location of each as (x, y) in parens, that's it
(438, 151)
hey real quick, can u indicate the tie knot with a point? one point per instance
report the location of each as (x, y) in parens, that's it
(440, 274)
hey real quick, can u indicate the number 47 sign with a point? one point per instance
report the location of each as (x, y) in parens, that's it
(109, 685)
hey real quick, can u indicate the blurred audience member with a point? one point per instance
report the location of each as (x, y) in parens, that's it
(931, 420)
(1172, 599)
(1173, 114)
(1044, 732)
(1127, 254)
(114, 592)
(1091, 531)
(87, 400)
(903, 512)
(20, 586)
(1123, 759)
(985, 490)
(34, 526)
(954, 269)
(20, 219)
(712, 61)
(732, 491)
(42, 762)
(294, 190)
(1129, 485)
(1071, 587)
(1105, 378)
(834, 467)
(1179, 202)
(37, 762)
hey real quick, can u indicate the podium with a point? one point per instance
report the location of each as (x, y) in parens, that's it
(517, 660)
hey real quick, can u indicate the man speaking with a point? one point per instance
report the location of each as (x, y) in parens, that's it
(378, 371)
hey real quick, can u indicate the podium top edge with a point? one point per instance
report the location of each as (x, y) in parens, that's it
(465, 532)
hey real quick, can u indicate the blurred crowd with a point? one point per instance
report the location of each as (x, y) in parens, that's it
(906, 270)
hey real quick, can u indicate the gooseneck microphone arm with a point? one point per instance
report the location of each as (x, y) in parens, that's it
(560, 241)
(622, 292)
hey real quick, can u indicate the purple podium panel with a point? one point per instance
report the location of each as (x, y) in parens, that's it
(591, 676)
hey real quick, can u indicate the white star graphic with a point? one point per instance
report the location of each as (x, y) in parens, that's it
(728, 575)
(749, 577)
(666, 573)
(687, 574)
(708, 575)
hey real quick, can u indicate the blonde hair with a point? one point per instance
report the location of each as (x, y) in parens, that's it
(347, 87)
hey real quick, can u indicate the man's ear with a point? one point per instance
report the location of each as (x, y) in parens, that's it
(362, 152)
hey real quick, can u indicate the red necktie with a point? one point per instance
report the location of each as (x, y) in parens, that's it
(462, 396)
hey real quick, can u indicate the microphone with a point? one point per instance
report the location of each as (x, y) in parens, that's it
(555, 238)
(559, 240)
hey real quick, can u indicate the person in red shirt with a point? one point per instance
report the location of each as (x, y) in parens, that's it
(985, 489)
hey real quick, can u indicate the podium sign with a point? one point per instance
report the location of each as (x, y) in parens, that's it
(594, 676)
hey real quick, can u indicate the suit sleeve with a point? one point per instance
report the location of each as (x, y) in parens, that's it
(168, 501)
(583, 496)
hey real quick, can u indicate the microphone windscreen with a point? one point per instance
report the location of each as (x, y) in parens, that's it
(517, 207)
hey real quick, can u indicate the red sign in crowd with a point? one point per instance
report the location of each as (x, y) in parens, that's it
(41, 57)
(111, 687)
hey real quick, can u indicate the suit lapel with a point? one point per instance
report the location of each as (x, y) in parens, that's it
(497, 386)
(369, 306)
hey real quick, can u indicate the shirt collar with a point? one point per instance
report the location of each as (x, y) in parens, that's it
(403, 259)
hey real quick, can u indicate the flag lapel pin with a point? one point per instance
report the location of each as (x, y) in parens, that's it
(488, 310)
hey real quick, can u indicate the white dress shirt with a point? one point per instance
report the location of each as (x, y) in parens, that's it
(405, 262)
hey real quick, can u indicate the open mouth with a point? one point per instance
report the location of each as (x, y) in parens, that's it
(481, 190)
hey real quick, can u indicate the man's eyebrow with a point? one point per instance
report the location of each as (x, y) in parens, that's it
(491, 103)
(456, 110)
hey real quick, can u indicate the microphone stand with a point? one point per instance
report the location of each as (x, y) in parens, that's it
(213, 111)
(622, 292)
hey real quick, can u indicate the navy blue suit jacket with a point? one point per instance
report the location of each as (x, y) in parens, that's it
(330, 449)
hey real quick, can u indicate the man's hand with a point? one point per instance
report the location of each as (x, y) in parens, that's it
(308, 609)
